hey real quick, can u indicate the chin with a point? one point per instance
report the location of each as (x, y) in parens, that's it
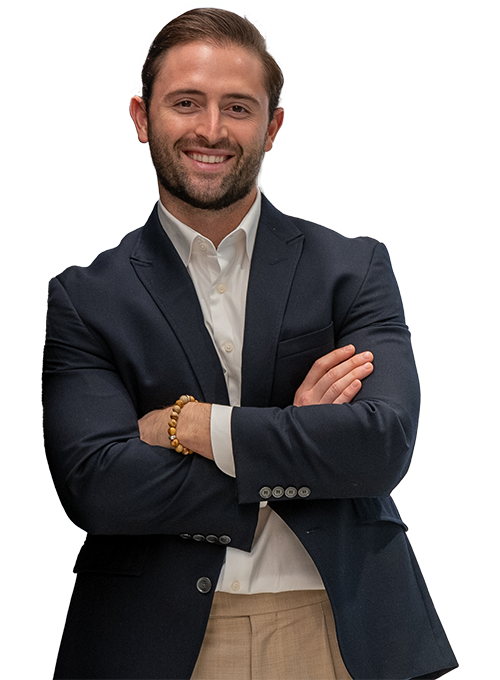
(207, 201)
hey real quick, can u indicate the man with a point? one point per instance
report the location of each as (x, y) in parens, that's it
(273, 349)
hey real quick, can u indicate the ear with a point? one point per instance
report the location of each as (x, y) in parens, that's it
(138, 114)
(274, 126)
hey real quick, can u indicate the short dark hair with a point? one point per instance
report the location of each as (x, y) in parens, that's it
(219, 27)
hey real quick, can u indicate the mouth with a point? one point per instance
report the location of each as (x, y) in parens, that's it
(205, 158)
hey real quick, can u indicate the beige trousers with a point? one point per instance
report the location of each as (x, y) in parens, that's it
(271, 636)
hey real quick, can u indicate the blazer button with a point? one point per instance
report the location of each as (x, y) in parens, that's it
(224, 540)
(278, 491)
(304, 491)
(199, 537)
(266, 492)
(290, 492)
(204, 585)
(186, 536)
(212, 539)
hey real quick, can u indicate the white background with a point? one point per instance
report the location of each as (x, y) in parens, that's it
(446, 144)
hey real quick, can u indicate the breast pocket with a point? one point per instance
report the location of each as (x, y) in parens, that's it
(294, 359)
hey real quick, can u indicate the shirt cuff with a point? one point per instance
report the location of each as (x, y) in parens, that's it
(220, 435)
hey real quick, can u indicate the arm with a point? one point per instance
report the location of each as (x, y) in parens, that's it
(108, 480)
(333, 379)
(357, 449)
(337, 439)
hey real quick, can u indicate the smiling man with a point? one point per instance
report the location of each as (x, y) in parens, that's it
(230, 397)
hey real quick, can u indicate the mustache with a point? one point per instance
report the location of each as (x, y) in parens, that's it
(185, 144)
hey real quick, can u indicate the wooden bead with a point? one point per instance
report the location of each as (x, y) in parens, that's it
(172, 430)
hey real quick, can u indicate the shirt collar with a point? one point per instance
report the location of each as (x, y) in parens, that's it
(183, 236)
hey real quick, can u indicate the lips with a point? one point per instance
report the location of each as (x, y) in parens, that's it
(204, 158)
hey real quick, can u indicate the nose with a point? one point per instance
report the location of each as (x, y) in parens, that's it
(210, 125)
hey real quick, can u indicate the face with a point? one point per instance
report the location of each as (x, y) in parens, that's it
(208, 124)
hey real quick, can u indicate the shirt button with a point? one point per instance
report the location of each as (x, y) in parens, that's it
(235, 585)
(228, 347)
(202, 247)
(221, 288)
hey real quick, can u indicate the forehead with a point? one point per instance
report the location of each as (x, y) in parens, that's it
(206, 67)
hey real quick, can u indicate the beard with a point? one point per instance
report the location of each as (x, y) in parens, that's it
(209, 192)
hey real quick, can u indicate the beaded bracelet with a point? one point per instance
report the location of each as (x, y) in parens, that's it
(172, 424)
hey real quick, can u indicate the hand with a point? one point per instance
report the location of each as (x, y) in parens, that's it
(335, 378)
(153, 427)
(193, 428)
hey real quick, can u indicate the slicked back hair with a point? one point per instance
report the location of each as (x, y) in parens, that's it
(217, 27)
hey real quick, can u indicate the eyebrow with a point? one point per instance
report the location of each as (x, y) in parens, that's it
(229, 95)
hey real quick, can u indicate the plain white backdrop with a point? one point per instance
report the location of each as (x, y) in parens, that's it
(446, 143)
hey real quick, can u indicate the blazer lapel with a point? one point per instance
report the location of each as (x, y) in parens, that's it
(277, 250)
(163, 274)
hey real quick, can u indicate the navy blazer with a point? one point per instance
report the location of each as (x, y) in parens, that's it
(125, 336)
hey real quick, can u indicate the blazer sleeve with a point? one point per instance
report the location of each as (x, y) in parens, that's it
(361, 449)
(108, 480)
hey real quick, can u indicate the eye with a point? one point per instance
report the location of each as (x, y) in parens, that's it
(237, 108)
(184, 105)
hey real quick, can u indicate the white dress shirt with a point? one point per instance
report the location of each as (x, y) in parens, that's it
(277, 561)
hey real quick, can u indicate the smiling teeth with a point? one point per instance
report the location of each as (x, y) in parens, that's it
(207, 159)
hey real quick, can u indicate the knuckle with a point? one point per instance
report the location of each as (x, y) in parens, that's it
(321, 364)
(333, 392)
(333, 375)
(297, 400)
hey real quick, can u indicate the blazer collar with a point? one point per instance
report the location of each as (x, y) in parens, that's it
(163, 274)
(277, 250)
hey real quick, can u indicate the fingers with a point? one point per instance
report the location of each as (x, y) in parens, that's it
(335, 378)
(347, 395)
(344, 390)
(325, 363)
(333, 384)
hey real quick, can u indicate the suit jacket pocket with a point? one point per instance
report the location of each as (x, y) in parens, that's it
(373, 510)
(317, 340)
(113, 555)
(294, 359)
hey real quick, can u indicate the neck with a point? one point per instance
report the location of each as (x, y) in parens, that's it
(213, 224)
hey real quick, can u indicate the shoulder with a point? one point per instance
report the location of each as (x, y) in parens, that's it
(321, 242)
(112, 266)
(106, 262)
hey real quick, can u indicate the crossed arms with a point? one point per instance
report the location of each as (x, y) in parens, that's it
(114, 475)
(333, 379)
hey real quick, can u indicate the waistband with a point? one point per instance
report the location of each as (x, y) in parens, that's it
(227, 604)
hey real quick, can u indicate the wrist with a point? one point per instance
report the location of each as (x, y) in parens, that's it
(175, 413)
(193, 428)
